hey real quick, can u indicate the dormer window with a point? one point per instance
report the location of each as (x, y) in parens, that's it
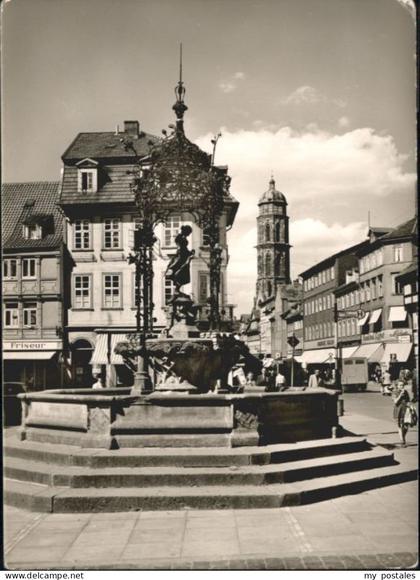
(32, 232)
(87, 176)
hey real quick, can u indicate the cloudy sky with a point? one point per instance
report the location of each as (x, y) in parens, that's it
(319, 92)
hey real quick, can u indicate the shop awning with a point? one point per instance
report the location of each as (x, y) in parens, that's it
(397, 314)
(317, 356)
(373, 352)
(29, 355)
(348, 351)
(402, 350)
(363, 320)
(117, 359)
(375, 316)
(100, 354)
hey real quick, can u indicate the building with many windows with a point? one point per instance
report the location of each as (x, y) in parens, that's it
(320, 283)
(101, 218)
(36, 266)
(386, 332)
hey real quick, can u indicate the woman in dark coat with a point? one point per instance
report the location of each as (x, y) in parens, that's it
(401, 400)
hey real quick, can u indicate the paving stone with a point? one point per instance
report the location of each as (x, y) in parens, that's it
(389, 560)
(408, 559)
(293, 564)
(149, 550)
(369, 561)
(351, 562)
(333, 563)
(199, 548)
(275, 564)
(50, 540)
(342, 544)
(158, 535)
(26, 554)
(255, 564)
(313, 563)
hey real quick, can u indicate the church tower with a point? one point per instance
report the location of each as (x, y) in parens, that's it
(273, 248)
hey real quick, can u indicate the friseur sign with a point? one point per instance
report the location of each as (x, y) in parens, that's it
(23, 345)
(391, 335)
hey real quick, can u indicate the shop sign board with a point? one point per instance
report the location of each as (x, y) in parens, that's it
(311, 344)
(390, 335)
(24, 345)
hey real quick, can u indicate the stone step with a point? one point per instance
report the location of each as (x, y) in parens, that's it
(187, 457)
(58, 499)
(76, 477)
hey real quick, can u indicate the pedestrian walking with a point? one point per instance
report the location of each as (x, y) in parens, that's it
(386, 383)
(315, 380)
(402, 417)
(280, 382)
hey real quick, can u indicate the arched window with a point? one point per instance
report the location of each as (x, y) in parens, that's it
(260, 233)
(267, 232)
(277, 265)
(268, 264)
(282, 231)
(260, 265)
(277, 232)
(269, 288)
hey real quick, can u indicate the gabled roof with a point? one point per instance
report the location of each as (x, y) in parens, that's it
(107, 144)
(405, 230)
(28, 202)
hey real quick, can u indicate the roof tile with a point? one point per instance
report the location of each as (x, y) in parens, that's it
(17, 207)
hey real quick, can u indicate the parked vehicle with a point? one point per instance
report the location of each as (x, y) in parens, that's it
(12, 408)
(355, 374)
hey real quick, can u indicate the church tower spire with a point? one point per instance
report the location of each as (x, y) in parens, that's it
(273, 248)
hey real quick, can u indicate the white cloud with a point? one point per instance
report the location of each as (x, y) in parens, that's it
(343, 122)
(323, 176)
(309, 95)
(229, 85)
(409, 5)
(314, 240)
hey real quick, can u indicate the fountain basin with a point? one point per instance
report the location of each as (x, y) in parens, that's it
(113, 418)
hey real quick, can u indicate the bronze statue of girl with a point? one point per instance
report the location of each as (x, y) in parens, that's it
(178, 269)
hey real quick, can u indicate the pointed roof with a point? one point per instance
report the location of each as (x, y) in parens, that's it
(272, 194)
(31, 202)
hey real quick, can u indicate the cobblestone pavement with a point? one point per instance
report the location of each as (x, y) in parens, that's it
(377, 529)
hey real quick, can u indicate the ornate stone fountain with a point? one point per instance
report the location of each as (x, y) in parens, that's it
(189, 404)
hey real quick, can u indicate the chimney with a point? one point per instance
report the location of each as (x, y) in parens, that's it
(132, 128)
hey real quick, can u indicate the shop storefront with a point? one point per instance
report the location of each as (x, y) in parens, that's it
(109, 365)
(392, 348)
(37, 364)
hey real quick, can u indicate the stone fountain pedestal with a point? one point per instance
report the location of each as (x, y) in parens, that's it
(115, 419)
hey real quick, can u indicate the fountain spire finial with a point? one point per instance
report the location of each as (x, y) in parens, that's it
(180, 107)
